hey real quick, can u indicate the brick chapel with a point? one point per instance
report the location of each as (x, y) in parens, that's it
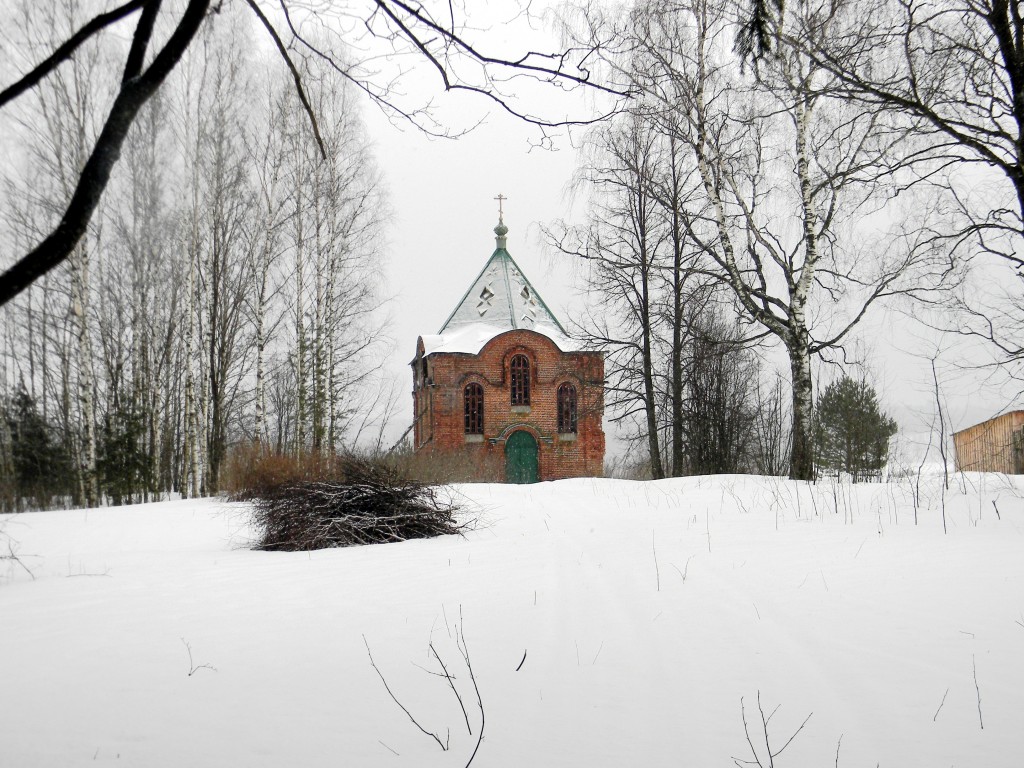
(501, 391)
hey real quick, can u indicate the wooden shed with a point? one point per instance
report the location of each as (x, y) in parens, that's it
(996, 445)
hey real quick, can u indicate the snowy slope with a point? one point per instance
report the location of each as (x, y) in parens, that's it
(646, 611)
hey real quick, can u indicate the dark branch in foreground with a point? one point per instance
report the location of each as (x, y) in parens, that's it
(296, 77)
(65, 51)
(405, 27)
(134, 92)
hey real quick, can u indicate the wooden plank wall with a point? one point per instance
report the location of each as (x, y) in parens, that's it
(990, 446)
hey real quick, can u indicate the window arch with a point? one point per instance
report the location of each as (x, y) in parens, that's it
(474, 408)
(519, 376)
(567, 408)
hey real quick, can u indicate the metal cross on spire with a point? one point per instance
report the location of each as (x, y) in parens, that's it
(501, 213)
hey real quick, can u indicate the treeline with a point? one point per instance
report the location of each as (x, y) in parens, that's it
(226, 293)
(738, 206)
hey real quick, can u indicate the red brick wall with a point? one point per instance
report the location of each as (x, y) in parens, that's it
(440, 426)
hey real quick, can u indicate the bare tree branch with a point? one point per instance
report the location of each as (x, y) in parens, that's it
(296, 77)
(67, 49)
(94, 176)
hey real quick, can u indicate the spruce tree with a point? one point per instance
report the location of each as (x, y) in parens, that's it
(40, 466)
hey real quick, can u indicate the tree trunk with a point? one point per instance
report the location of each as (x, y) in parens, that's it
(801, 462)
(300, 328)
(262, 433)
(86, 382)
(676, 383)
(193, 472)
(650, 404)
(319, 330)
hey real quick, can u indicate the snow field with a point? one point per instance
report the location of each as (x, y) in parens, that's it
(646, 611)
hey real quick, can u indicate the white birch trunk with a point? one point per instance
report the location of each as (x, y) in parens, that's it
(192, 459)
(86, 379)
(319, 395)
(300, 327)
(332, 385)
(798, 344)
(262, 430)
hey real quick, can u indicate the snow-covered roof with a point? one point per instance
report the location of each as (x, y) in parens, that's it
(501, 296)
(472, 337)
(499, 300)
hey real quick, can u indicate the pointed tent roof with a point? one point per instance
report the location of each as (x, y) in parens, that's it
(502, 297)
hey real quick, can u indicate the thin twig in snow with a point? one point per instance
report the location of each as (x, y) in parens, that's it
(461, 642)
(764, 726)
(434, 736)
(429, 671)
(940, 705)
(454, 690)
(686, 568)
(977, 690)
(13, 557)
(657, 572)
(192, 668)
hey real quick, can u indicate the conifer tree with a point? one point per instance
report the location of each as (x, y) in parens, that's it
(851, 432)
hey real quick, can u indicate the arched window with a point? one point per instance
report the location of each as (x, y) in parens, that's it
(474, 402)
(519, 374)
(567, 408)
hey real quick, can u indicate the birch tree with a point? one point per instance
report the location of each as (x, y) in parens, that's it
(338, 215)
(268, 147)
(59, 151)
(226, 271)
(620, 249)
(952, 71)
(193, 124)
(143, 291)
(783, 168)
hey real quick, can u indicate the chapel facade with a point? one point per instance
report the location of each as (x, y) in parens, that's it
(501, 392)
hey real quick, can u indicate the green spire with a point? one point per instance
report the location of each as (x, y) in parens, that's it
(501, 231)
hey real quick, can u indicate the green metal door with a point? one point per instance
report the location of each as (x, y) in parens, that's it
(521, 458)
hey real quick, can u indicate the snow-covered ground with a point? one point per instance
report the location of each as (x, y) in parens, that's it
(646, 612)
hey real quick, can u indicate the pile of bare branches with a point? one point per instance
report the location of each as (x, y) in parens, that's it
(369, 503)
